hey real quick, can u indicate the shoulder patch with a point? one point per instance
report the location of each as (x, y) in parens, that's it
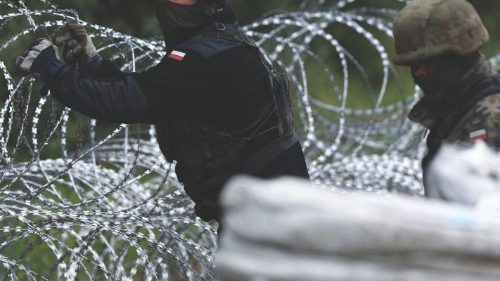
(177, 55)
(478, 135)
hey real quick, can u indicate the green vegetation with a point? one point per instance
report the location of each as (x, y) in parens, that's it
(137, 18)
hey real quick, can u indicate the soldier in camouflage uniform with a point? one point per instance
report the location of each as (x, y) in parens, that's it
(440, 41)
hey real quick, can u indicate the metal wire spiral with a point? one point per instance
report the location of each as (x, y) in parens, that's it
(82, 199)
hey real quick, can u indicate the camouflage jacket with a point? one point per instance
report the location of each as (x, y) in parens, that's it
(475, 116)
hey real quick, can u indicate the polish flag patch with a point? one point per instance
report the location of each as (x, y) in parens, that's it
(479, 135)
(176, 55)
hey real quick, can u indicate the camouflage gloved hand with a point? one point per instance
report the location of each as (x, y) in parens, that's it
(78, 47)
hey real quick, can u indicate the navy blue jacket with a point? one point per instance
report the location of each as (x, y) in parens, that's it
(227, 90)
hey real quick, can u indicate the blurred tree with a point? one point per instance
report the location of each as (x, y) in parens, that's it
(129, 16)
(488, 10)
(138, 18)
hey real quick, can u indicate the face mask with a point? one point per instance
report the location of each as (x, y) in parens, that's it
(438, 77)
(178, 22)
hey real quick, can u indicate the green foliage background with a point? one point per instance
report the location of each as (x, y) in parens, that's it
(137, 17)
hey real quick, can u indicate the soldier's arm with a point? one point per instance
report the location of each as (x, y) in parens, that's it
(132, 98)
(483, 122)
(117, 100)
(101, 68)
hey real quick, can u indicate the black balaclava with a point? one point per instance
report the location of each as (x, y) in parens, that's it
(181, 22)
(449, 71)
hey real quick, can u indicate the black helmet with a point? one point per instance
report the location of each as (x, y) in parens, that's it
(180, 19)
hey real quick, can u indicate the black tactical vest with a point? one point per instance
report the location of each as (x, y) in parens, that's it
(207, 157)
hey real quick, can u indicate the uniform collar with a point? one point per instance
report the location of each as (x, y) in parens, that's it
(426, 112)
(224, 15)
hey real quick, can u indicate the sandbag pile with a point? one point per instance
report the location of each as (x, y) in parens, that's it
(287, 230)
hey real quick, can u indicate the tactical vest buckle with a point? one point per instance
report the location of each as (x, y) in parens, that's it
(220, 26)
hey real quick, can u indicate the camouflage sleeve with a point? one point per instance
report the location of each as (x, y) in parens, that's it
(482, 123)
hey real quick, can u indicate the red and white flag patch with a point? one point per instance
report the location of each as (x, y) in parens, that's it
(478, 135)
(177, 55)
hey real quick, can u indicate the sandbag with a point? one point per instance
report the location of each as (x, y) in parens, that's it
(464, 174)
(289, 230)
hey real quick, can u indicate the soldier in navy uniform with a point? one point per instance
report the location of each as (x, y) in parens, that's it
(219, 107)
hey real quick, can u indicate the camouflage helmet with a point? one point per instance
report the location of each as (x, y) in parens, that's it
(426, 28)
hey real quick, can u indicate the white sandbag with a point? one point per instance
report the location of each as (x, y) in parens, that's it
(288, 230)
(463, 175)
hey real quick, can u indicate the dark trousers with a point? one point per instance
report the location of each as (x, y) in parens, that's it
(290, 163)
